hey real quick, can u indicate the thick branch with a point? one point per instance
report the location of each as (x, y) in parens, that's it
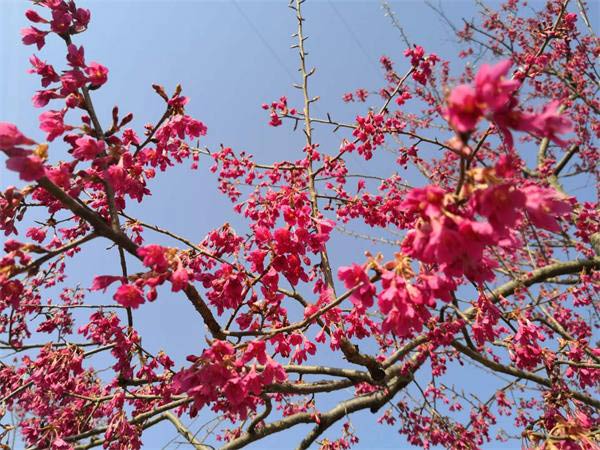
(539, 276)
(497, 367)
(373, 401)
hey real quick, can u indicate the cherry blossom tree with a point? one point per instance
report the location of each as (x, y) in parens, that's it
(495, 266)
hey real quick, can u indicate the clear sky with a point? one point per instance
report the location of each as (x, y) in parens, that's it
(230, 58)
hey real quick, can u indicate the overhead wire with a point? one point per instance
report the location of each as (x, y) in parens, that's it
(264, 41)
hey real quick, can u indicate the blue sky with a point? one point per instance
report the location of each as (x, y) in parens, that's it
(230, 58)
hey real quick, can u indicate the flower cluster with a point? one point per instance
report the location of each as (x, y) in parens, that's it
(421, 63)
(452, 237)
(221, 378)
(29, 164)
(404, 299)
(66, 20)
(277, 109)
(370, 134)
(494, 96)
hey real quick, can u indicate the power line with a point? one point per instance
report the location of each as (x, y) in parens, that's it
(264, 41)
(354, 37)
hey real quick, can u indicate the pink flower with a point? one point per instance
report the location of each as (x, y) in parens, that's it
(32, 36)
(502, 205)
(61, 444)
(82, 19)
(427, 201)
(403, 305)
(544, 206)
(507, 117)
(355, 277)
(53, 4)
(457, 244)
(475, 236)
(550, 122)
(30, 166)
(275, 120)
(52, 122)
(225, 287)
(255, 350)
(178, 102)
(443, 242)
(46, 71)
(34, 17)
(463, 110)
(42, 98)
(61, 21)
(88, 148)
(525, 350)
(71, 81)
(11, 137)
(76, 56)
(129, 295)
(36, 234)
(194, 128)
(130, 137)
(362, 95)
(101, 282)
(73, 100)
(153, 256)
(179, 279)
(97, 74)
(492, 89)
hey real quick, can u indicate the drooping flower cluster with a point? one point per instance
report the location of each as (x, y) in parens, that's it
(29, 164)
(494, 96)
(404, 300)
(450, 236)
(220, 377)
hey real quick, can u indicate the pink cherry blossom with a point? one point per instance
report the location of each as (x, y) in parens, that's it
(11, 137)
(72, 81)
(97, 74)
(102, 282)
(129, 295)
(34, 17)
(42, 98)
(544, 206)
(403, 305)
(355, 278)
(46, 71)
(61, 20)
(154, 256)
(29, 166)
(52, 122)
(76, 56)
(463, 110)
(179, 279)
(82, 19)
(502, 204)
(87, 148)
(33, 36)
(550, 122)
(492, 89)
